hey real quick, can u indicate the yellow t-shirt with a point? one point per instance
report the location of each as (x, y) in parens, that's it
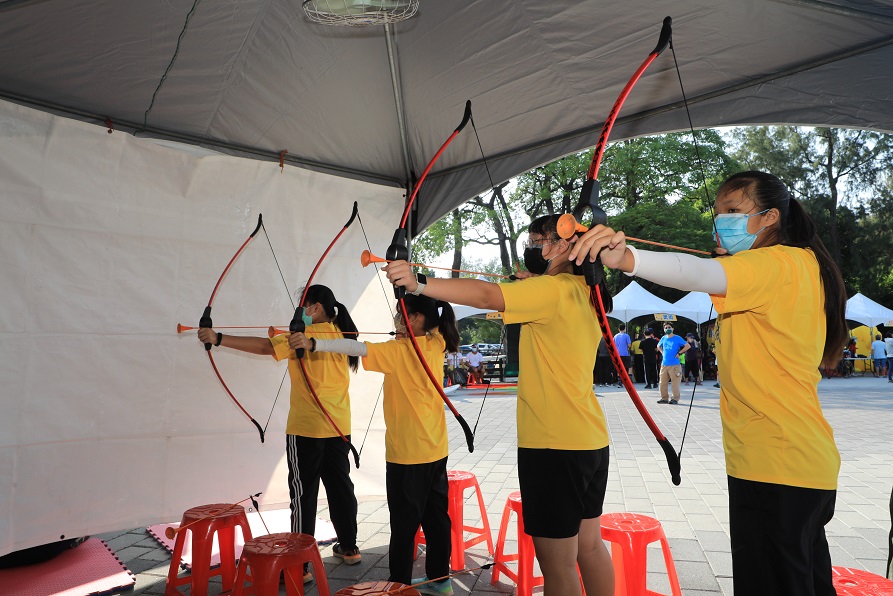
(330, 377)
(770, 337)
(413, 409)
(557, 408)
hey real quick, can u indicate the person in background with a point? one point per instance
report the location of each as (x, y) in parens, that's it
(782, 463)
(475, 361)
(623, 342)
(693, 360)
(603, 368)
(455, 368)
(649, 355)
(879, 356)
(670, 347)
(889, 344)
(314, 449)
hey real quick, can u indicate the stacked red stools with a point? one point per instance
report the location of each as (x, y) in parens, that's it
(376, 588)
(629, 535)
(459, 482)
(266, 558)
(523, 577)
(201, 523)
(855, 582)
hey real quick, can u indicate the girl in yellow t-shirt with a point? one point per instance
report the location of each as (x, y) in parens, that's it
(314, 449)
(781, 302)
(416, 445)
(562, 435)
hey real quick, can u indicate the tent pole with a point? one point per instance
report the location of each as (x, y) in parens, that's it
(398, 98)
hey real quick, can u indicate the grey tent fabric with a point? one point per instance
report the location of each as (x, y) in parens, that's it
(255, 77)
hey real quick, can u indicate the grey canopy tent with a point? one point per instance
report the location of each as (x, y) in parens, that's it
(256, 77)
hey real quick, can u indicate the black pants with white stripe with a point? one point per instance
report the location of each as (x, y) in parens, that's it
(418, 494)
(309, 461)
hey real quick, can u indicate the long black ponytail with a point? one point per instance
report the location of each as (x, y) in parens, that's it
(336, 313)
(797, 229)
(444, 320)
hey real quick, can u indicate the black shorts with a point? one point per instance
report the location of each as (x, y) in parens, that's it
(778, 538)
(560, 488)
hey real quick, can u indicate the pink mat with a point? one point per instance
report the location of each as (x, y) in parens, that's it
(277, 520)
(89, 569)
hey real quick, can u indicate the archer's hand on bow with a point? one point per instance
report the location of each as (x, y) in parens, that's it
(206, 335)
(299, 340)
(400, 274)
(605, 242)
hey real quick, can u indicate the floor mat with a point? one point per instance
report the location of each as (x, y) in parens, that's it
(90, 569)
(277, 520)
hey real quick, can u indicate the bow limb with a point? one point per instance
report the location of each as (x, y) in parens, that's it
(206, 321)
(297, 325)
(399, 250)
(589, 198)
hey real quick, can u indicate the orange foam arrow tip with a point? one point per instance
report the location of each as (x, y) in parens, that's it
(273, 332)
(567, 226)
(182, 328)
(367, 257)
(170, 533)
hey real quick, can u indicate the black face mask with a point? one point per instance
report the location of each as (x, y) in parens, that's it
(534, 261)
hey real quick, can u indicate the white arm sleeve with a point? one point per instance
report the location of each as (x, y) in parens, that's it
(351, 347)
(683, 272)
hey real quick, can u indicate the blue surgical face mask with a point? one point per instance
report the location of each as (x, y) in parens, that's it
(732, 231)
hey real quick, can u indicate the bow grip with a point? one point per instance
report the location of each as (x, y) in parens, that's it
(398, 251)
(589, 197)
(205, 322)
(297, 326)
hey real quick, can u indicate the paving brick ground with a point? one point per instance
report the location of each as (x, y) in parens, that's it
(694, 515)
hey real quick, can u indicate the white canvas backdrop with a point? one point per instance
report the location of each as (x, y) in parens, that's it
(110, 420)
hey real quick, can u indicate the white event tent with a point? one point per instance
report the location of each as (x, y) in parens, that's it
(696, 306)
(868, 312)
(635, 301)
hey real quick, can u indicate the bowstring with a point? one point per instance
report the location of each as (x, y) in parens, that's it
(393, 314)
(290, 299)
(709, 203)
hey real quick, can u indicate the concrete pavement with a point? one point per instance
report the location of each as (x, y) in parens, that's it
(694, 515)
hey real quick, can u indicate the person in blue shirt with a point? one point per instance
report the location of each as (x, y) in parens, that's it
(670, 346)
(623, 342)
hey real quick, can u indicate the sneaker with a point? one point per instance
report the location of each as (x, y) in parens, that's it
(716, 385)
(663, 401)
(436, 588)
(351, 556)
(674, 401)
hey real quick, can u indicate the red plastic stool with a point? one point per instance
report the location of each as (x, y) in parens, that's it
(459, 482)
(374, 588)
(629, 535)
(203, 522)
(269, 556)
(523, 578)
(855, 582)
